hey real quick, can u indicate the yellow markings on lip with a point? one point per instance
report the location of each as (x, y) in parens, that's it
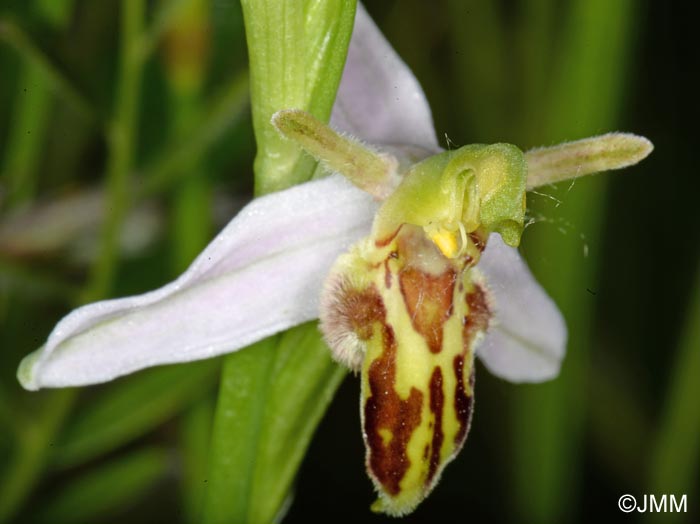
(386, 435)
(414, 316)
(419, 334)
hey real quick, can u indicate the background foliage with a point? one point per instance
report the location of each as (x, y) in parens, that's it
(120, 158)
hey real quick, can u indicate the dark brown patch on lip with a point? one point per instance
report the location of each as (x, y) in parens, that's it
(385, 410)
(437, 402)
(463, 402)
(360, 309)
(429, 302)
(478, 316)
(479, 239)
(476, 320)
(387, 274)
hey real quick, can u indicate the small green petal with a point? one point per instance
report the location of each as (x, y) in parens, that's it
(569, 160)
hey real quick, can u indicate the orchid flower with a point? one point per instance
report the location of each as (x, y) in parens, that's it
(420, 249)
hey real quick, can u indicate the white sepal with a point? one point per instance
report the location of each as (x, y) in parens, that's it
(261, 275)
(527, 342)
(379, 99)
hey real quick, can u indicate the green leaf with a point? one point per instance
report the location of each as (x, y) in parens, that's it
(225, 109)
(131, 408)
(550, 419)
(30, 120)
(28, 459)
(195, 436)
(55, 76)
(676, 454)
(110, 488)
(272, 397)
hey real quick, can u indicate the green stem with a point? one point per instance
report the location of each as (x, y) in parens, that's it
(483, 57)
(237, 421)
(675, 457)
(272, 396)
(226, 109)
(28, 461)
(13, 34)
(8, 417)
(535, 41)
(32, 105)
(191, 215)
(549, 419)
(185, 68)
(195, 436)
(167, 15)
(121, 139)
(33, 282)
(274, 393)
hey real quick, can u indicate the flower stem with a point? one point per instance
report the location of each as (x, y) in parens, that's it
(227, 108)
(121, 138)
(28, 461)
(273, 394)
(584, 96)
(675, 457)
(14, 35)
(32, 106)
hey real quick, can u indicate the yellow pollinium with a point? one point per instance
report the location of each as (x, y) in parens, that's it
(450, 243)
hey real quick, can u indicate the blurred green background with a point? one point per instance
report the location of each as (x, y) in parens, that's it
(115, 172)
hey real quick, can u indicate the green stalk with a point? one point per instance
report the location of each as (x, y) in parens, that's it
(107, 490)
(291, 69)
(33, 449)
(535, 39)
(32, 109)
(481, 65)
(168, 15)
(274, 393)
(268, 25)
(13, 34)
(239, 412)
(121, 138)
(26, 139)
(39, 79)
(194, 439)
(227, 107)
(549, 419)
(675, 457)
(185, 57)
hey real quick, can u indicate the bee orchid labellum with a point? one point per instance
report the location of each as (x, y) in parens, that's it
(408, 305)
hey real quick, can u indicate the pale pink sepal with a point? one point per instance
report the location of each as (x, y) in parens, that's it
(527, 342)
(379, 99)
(261, 275)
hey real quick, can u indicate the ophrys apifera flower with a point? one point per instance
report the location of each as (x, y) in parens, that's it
(430, 273)
(408, 305)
